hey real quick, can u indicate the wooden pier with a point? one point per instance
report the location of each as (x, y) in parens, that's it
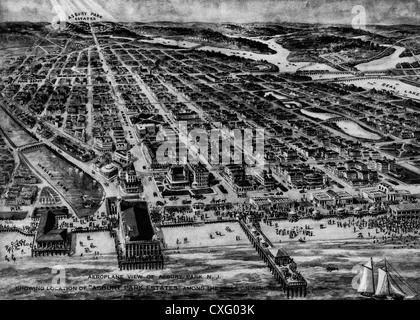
(293, 287)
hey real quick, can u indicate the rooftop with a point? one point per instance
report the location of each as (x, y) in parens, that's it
(405, 206)
(46, 229)
(136, 221)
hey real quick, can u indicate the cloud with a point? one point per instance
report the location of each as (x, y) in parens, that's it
(30, 12)
(20, 10)
(313, 11)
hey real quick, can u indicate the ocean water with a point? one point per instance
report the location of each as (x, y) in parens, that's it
(208, 273)
(314, 257)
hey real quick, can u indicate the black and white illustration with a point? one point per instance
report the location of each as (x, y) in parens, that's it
(210, 149)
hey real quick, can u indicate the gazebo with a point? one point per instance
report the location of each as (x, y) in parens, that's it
(292, 216)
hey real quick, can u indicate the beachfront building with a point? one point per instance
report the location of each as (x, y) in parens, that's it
(60, 212)
(138, 246)
(332, 198)
(342, 198)
(385, 193)
(48, 239)
(322, 198)
(374, 195)
(272, 202)
(260, 202)
(405, 210)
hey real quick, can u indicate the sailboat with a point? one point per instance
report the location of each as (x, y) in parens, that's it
(389, 285)
(367, 283)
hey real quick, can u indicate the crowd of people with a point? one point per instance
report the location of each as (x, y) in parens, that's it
(97, 221)
(295, 231)
(188, 214)
(386, 227)
(380, 229)
(8, 225)
(18, 246)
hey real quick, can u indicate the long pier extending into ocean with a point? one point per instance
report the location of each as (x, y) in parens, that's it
(281, 265)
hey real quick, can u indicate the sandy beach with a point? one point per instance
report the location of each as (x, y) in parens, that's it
(331, 232)
(18, 244)
(94, 242)
(200, 236)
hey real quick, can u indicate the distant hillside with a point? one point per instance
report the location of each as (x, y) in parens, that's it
(207, 35)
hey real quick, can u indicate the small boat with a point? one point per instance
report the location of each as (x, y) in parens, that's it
(389, 284)
(302, 240)
(331, 268)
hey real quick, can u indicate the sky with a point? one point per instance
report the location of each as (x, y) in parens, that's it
(236, 11)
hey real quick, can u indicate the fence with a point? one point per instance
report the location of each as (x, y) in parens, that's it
(15, 229)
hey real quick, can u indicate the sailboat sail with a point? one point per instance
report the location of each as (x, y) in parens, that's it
(382, 288)
(366, 283)
(387, 283)
(394, 289)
